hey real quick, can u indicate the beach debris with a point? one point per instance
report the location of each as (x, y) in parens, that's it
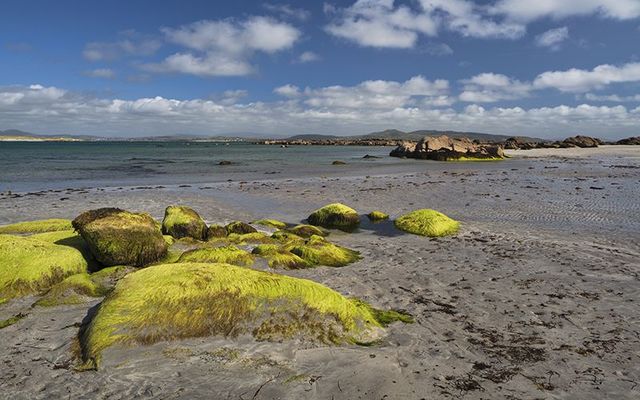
(240, 228)
(30, 265)
(226, 254)
(118, 237)
(272, 223)
(39, 226)
(444, 148)
(335, 215)
(160, 302)
(427, 222)
(377, 216)
(182, 221)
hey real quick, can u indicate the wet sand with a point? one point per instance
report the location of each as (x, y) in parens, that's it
(536, 297)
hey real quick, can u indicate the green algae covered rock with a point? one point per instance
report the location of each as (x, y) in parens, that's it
(227, 254)
(216, 231)
(318, 251)
(71, 291)
(240, 228)
(272, 223)
(427, 222)
(45, 225)
(306, 231)
(335, 215)
(29, 265)
(181, 221)
(377, 216)
(278, 257)
(173, 301)
(118, 237)
(286, 236)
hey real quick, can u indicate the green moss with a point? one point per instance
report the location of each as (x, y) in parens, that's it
(228, 255)
(387, 317)
(279, 257)
(45, 225)
(377, 216)
(335, 215)
(240, 228)
(273, 223)
(10, 321)
(169, 239)
(174, 301)
(255, 237)
(71, 291)
(427, 222)
(318, 251)
(181, 221)
(216, 231)
(31, 265)
(306, 231)
(118, 237)
(286, 237)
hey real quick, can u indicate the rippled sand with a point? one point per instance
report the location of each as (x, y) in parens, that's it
(536, 297)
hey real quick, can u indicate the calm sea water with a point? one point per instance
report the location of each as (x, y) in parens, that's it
(30, 166)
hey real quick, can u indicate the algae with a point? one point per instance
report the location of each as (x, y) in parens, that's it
(10, 321)
(306, 231)
(278, 257)
(335, 215)
(318, 251)
(39, 226)
(182, 221)
(427, 222)
(254, 237)
(273, 223)
(72, 291)
(377, 216)
(240, 228)
(227, 255)
(216, 231)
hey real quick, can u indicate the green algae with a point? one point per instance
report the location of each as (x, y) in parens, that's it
(286, 237)
(71, 290)
(306, 231)
(247, 238)
(173, 301)
(278, 257)
(335, 215)
(39, 226)
(427, 222)
(182, 221)
(30, 265)
(118, 237)
(318, 251)
(227, 255)
(240, 228)
(216, 231)
(11, 321)
(377, 216)
(272, 223)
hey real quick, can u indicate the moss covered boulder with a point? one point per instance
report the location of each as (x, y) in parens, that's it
(271, 223)
(181, 221)
(279, 257)
(45, 225)
(427, 222)
(72, 290)
(318, 251)
(377, 216)
(306, 231)
(216, 232)
(118, 237)
(335, 215)
(226, 255)
(29, 265)
(173, 301)
(240, 228)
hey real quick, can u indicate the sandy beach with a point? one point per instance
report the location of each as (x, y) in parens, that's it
(535, 297)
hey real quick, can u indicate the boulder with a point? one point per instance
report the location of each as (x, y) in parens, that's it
(118, 237)
(427, 222)
(181, 221)
(630, 141)
(581, 141)
(216, 231)
(240, 228)
(318, 251)
(306, 231)
(227, 254)
(335, 215)
(443, 148)
(376, 216)
(404, 149)
(338, 162)
(516, 143)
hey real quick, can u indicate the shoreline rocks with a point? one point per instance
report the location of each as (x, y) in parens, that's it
(443, 148)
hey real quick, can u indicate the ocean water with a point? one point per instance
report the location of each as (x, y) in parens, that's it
(31, 166)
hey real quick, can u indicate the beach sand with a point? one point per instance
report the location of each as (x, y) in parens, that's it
(535, 298)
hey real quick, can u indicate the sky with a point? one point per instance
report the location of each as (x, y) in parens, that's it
(544, 68)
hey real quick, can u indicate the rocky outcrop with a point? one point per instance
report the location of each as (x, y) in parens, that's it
(181, 221)
(581, 141)
(516, 143)
(444, 148)
(630, 141)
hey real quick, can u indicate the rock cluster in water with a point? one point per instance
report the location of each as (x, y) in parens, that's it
(444, 148)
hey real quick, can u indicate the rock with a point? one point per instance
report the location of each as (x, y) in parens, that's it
(216, 231)
(427, 222)
(240, 228)
(630, 141)
(30, 265)
(516, 143)
(581, 141)
(318, 251)
(338, 162)
(272, 223)
(227, 254)
(278, 257)
(187, 300)
(45, 225)
(335, 215)
(443, 148)
(118, 237)
(377, 216)
(226, 162)
(368, 157)
(181, 221)
(306, 231)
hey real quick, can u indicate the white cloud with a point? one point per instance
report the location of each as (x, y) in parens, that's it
(336, 109)
(557, 9)
(287, 90)
(490, 87)
(106, 73)
(438, 49)
(613, 98)
(287, 10)
(553, 38)
(224, 47)
(579, 80)
(131, 43)
(308, 56)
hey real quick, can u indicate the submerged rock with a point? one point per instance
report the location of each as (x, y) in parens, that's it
(118, 237)
(443, 148)
(174, 301)
(335, 215)
(30, 265)
(240, 228)
(40, 226)
(377, 216)
(181, 221)
(427, 222)
(227, 254)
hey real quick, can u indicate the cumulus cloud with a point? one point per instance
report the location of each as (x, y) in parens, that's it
(613, 98)
(490, 87)
(308, 56)
(287, 90)
(224, 47)
(286, 10)
(528, 11)
(335, 109)
(130, 43)
(553, 38)
(580, 80)
(105, 73)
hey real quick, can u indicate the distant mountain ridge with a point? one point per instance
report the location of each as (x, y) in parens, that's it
(395, 134)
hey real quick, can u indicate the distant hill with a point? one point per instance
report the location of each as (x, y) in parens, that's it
(394, 134)
(18, 135)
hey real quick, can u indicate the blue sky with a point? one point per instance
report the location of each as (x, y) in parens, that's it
(548, 68)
